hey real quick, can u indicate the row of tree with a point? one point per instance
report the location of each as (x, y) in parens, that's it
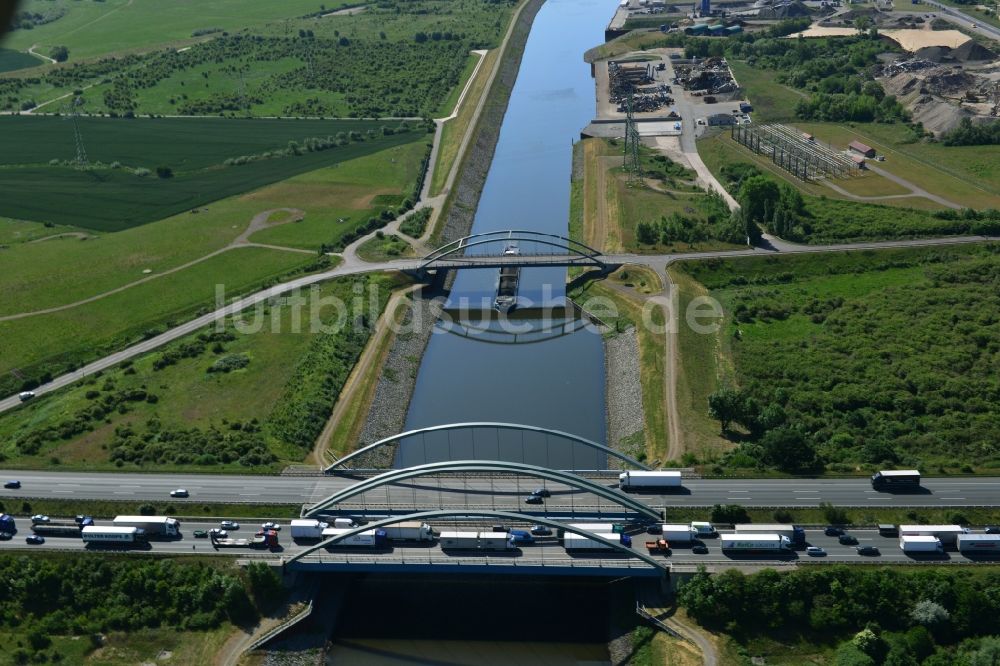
(969, 134)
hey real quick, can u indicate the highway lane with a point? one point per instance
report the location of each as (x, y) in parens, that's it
(545, 550)
(481, 492)
(967, 21)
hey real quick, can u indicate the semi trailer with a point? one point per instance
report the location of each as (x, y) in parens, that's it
(677, 533)
(459, 540)
(265, 539)
(910, 543)
(496, 541)
(755, 543)
(796, 535)
(948, 534)
(632, 480)
(64, 528)
(307, 529)
(152, 525)
(576, 542)
(409, 531)
(112, 535)
(982, 544)
(368, 539)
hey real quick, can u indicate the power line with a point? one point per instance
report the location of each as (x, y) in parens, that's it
(631, 157)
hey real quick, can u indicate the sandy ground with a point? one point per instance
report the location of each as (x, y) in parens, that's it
(911, 40)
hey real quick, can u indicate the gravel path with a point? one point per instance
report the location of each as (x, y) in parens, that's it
(624, 393)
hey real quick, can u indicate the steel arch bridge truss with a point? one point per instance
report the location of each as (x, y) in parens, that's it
(461, 513)
(460, 466)
(534, 249)
(383, 459)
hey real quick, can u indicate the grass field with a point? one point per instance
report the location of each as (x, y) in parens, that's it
(195, 149)
(11, 60)
(772, 101)
(187, 394)
(835, 335)
(386, 248)
(453, 130)
(95, 28)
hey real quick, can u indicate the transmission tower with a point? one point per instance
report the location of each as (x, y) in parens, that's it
(633, 168)
(74, 114)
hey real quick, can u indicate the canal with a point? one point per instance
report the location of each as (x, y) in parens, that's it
(557, 382)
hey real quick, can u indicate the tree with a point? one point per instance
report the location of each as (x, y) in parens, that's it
(730, 513)
(758, 197)
(835, 515)
(645, 233)
(59, 53)
(789, 450)
(929, 613)
(420, 37)
(724, 405)
(164, 172)
(265, 585)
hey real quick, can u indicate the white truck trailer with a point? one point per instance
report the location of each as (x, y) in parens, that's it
(948, 534)
(367, 539)
(576, 542)
(459, 540)
(152, 525)
(308, 529)
(112, 535)
(495, 541)
(755, 543)
(409, 531)
(595, 528)
(632, 480)
(981, 544)
(914, 543)
(673, 534)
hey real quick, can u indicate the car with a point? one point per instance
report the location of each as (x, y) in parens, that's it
(540, 530)
(25, 396)
(992, 529)
(12, 485)
(848, 539)
(200, 534)
(815, 551)
(35, 539)
(229, 525)
(180, 492)
(699, 549)
(521, 537)
(499, 528)
(975, 25)
(833, 531)
(534, 499)
(271, 526)
(80, 519)
(541, 492)
(868, 550)
(217, 533)
(39, 519)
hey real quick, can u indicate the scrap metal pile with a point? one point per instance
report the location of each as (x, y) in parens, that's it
(639, 81)
(711, 75)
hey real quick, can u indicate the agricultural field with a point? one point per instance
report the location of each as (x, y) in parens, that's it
(828, 370)
(394, 59)
(148, 169)
(13, 60)
(251, 394)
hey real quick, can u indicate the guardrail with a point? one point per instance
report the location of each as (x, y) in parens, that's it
(497, 561)
(272, 633)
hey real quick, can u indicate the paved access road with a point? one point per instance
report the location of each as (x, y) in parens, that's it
(967, 20)
(449, 491)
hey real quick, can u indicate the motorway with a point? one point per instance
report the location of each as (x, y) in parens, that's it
(546, 551)
(966, 21)
(483, 492)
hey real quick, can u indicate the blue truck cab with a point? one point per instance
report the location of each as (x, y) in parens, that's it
(7, 524)
(521, 537)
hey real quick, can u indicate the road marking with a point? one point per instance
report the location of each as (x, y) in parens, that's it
(807, 498)
(952, 498)
(128, 493)
(738, 498)
(68, 492)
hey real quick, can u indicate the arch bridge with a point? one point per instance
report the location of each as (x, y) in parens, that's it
(395, 476)
(534, 559)
(496, 249)
(490, 445)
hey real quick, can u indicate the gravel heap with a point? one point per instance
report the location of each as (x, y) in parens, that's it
(398, 377)
(623, 390)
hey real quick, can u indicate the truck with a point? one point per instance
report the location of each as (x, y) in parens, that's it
(702, 529)
(574, 542)
(948, 534)
(658, 546)
(982, 544)
(409, 531)
(307, 529)
(263, 539)
(909, 543)
(152, 525)
(595, 528)
(677, 533)
(459, 540)
(368, 539)
(755, 543)
(66, 528)
(7, 525)
(796, 535)
(112, 535)
(343, 522)
(896, 479)
(495, 541)
(632, 480)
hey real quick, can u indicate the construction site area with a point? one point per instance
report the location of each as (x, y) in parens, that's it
(707, 77)
(637, 84)
(800, 154)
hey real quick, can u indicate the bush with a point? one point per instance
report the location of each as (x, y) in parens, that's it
(729, 513)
